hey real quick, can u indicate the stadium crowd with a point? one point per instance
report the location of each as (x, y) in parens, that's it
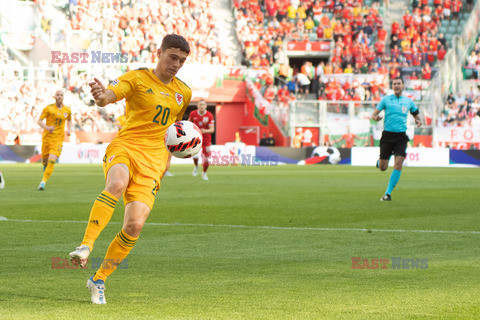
(136, 27)
(133, 27)
(461, 110)
(358, 34)
(355, 29)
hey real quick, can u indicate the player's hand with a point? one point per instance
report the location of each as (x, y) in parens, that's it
(202, 130)
(418, 122)
(50, 129)
(377, 118)
(67, 133)
(98, 92)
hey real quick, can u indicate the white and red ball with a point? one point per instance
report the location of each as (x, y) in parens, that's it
(183, 139)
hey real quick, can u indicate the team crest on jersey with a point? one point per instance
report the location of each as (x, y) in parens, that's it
(205, 119)
(179, 98)
(65, 114)
(404, 109)
(111, 158)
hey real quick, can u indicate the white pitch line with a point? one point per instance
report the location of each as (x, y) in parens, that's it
(255, 227)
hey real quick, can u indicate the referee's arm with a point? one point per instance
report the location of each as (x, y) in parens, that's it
(375, 115)
(416, 115)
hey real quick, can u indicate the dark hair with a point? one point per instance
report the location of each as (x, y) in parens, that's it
(398, 78)
(175, 41)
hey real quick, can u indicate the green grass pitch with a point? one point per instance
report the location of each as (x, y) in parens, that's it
(250, 243)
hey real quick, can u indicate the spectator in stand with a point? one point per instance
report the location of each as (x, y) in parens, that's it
(442, 40)
(426, 72)
(472, 60)
(456, 6)
(441, 53)
(303, 85)
(269, 93)
(407, 19)
(328, 69)
(446, 9)
(283, 95)
(348, 69)
(309, 25)
(292, 85)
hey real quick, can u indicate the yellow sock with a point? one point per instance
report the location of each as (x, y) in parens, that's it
(100, 215)
(118, 250)
(48, 170)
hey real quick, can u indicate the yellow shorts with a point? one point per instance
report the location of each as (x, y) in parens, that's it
(144, 181)
(50, 146)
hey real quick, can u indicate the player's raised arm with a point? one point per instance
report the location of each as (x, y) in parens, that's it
(101, 96)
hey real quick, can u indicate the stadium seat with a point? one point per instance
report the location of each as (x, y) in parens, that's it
(449, 37)
(467, 73)
(452, 29)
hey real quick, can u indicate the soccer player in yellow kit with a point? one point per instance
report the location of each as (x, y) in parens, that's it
(120, 122)
(56, 114)
(137, 158)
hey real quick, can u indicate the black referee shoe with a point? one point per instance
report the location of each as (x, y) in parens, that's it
(386, 197)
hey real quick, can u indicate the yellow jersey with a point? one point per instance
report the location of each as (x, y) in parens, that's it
(121, 121)
(152, 107)
(56, 117)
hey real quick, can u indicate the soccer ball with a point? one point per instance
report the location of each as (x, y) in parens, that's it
(183, 139)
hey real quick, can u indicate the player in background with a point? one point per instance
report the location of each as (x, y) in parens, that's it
(205, 122)
(137, 158)
(394, 137)
(56, 114)
(349, 138)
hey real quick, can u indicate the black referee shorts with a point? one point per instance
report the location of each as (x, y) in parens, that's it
(393, 143)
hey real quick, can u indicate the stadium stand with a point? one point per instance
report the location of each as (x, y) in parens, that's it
(136, 27)
(472, 64)
(361, 44)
